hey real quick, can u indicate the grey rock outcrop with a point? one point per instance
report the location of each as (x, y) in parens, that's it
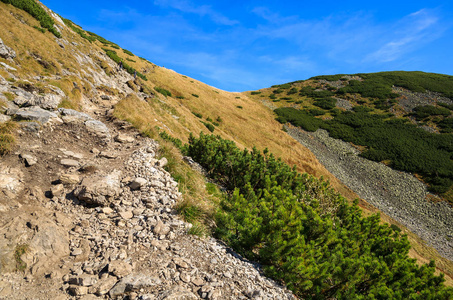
(99, 190)
(6, 52)
(36, 113)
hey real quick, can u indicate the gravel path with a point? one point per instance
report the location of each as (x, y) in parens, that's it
(397, 194)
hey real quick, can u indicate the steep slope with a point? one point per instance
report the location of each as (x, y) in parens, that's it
(399, 119)
(86, 207)
(76, 72)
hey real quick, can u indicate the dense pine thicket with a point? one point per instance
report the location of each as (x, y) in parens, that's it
(379, 85)
(37, 12)
(305, 234)
(407, 147)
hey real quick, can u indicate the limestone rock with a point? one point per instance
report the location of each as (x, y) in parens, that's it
(70, 163)
(162, 162)
(57, 190)
(6, 52)
(29, 159)
(126, 215)
(87, 280)
(137, 183)
(178, 293)
(35, 113)
(76, 290)
(98, 128)
(104, 285)
(123, 139)
(119, 268)
(76, 115)
(98, 189)
(133, 282)
(48, 101)
(4, 118)
(69, 178)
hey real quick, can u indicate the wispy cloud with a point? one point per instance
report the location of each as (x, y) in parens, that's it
(201, 10)
(414, 30)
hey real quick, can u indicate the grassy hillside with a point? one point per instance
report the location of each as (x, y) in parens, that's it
(176, 103)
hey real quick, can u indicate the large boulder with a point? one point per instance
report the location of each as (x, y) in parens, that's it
(99, 190)
(73, 115)
(35, 113)
(99, 128)
(31, 242)
(48, 101)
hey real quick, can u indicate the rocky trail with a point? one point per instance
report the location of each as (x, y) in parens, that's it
(93, 211)
(87, 209)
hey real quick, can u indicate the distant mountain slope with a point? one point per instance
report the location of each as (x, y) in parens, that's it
(404, 119)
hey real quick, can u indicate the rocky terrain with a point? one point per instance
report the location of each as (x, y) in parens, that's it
(397, 194)
(92, 207)
(87, 209)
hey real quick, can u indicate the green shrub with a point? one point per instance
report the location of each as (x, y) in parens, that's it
(240, 107)
(292, 91)
(423, 112)
(163, 91)
(329, 77)
(128, 52)
(198, 115)
(255, 93)
(306, 235)
(316, 112)
(40, 29)
(209, 126)
(37, 12)
(114, 56)
(195, 95)
(326, 103)
(449, 106)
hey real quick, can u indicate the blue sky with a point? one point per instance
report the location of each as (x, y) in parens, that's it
(248, 45)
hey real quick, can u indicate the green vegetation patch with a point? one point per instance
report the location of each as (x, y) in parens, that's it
(163, 91)
(408, 147)
(423, 112)
(305, 234)
(114, 56)
(128, 52)
(37, 12)
(7, 138)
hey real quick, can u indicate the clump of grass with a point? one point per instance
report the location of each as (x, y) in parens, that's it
(20, 250)
(9, 96)
(7, 138)
(163, 91)
(198, 115)
(195, 95)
